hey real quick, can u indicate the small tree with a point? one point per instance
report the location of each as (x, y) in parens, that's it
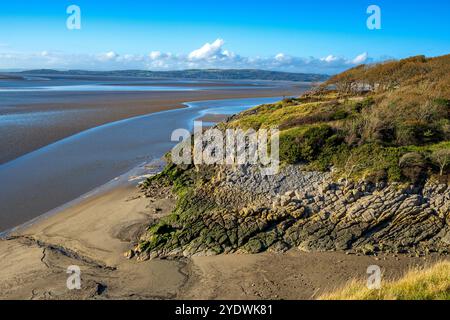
(352, 164)
(442, 158)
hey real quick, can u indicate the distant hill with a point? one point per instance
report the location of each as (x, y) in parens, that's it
(9, 77)
(204, 74)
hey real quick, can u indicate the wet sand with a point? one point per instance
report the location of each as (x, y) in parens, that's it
(79, 111)
(95, 233)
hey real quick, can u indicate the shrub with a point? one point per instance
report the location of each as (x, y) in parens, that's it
(307, 144)
(365, 104)
(383, 131)
(354, 129)
(313, 140)
(441, 102)
(363, 161)
(339, 115)
(289, 149)
(333, 146)
(413, 166)
(417, 133)
(289, 101)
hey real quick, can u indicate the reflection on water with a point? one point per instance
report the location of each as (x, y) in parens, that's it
(95, 88)
(227, 110)
(41, 118)
(128, 88)
(74, 84)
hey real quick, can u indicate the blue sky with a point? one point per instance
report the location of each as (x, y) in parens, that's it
(305, 36)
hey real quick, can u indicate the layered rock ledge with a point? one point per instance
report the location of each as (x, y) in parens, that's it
(226, 210)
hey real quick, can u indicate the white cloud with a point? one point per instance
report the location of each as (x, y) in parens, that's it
(210, 51)
(154, 55)
(108, 56)
(281, 57)
(362, 58)
(210, 55)
(330, 58)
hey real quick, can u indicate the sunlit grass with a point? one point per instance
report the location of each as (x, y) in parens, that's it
(429, 284)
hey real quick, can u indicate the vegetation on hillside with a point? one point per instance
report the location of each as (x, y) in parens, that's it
(429, 284)
(377, 133)
(388, 121)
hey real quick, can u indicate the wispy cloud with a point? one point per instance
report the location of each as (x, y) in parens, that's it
(210, 55)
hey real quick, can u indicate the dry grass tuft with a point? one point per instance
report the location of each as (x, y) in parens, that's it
(429, 284)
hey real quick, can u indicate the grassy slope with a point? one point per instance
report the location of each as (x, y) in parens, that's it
(429, 284)
(365, 133)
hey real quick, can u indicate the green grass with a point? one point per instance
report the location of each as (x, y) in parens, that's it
(268, 116)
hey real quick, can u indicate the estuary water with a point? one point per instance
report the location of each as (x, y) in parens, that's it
(40, 181)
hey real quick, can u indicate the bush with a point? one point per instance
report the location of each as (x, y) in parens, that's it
(417, 133)
(313, 140)
(413, 166)
(363, 161)
(289, 101)
(384, 132)
(366, 103)
(308, 144)
(333, 146)
(441, 102)
(289, 149)
(339, 115)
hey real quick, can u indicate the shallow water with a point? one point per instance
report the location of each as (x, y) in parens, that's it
(41, 118)
(49, 84)
(99, 87)
(58, 173)
(59, 89)
(116, 88)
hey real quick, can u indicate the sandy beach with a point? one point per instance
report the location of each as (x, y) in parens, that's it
(95, 233)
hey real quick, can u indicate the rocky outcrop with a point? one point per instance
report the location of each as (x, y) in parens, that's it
(239, 210)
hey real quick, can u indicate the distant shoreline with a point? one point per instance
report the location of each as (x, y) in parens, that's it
(189, 74)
